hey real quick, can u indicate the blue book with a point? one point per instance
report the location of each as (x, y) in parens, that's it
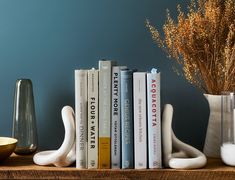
(127, 127)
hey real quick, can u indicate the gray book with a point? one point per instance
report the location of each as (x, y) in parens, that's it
(127, 119)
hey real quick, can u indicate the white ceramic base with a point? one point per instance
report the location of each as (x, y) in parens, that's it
(65, 155)
(228, 154)
(186, 156)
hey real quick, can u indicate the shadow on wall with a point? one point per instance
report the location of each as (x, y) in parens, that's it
(51, 133)
(190, 116)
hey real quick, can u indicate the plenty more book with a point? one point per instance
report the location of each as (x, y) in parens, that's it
(116, 117)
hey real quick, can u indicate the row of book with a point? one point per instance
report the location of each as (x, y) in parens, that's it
(117, 112)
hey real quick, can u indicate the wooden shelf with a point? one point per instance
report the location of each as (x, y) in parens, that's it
(22, 167)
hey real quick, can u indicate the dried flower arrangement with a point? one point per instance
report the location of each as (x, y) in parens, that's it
(203, 43)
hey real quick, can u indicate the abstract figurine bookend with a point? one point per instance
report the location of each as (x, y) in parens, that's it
(65, 155)
(184, 155)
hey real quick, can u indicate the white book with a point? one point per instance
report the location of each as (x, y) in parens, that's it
(116, 118)
(93, 118)
(154, 120)
(81, 118)
(140, 120)
(105, 70)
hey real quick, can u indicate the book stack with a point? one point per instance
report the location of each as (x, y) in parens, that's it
(118, 118)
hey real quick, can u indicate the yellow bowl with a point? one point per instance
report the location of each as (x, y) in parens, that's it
(7, 146)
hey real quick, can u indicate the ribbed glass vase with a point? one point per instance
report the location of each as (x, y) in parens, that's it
(24, 120)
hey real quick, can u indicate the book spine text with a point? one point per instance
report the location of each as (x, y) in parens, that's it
(127, 119)
(81, 118)
(154, 122)
(92, 119)
(105, 68)
(140, 119)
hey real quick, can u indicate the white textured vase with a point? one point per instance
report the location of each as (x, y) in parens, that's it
(213, 134)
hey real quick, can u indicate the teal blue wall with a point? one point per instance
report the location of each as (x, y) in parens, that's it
(45, 40)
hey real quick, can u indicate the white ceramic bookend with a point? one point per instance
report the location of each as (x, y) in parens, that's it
(65, 155)
(184, 155)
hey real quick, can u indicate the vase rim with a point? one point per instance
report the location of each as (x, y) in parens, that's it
(205, 94)
(223, 93)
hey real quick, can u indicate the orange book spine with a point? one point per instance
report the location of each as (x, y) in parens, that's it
(104, 153)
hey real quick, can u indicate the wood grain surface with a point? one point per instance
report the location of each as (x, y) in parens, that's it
(22, 167)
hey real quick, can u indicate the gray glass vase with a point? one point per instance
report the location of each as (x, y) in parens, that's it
(24, 120)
